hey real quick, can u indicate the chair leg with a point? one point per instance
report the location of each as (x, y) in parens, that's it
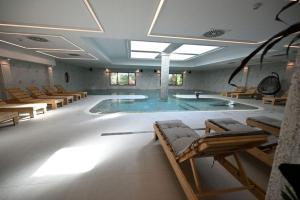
(196, 175)
(16, 120)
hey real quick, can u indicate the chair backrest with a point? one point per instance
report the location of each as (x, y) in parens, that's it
(2, 102)
(251, 90)
(240, 89)
(60, 88)
(17, 93)
(50, 89)
(35, 91)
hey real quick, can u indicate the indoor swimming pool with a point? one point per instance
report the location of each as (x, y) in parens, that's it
(152, 103)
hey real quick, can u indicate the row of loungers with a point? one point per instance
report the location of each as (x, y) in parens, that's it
(36, 101)
(182, 144)
(252, 92)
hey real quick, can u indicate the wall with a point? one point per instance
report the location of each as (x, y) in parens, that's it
(216, 80)
(27, 73)
(77, 76)
(98, 79)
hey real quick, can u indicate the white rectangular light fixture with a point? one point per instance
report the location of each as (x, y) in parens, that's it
(175, 56)
(143, 55)
(194, 49)
(148, 46)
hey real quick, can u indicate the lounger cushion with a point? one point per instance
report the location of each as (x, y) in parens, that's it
(267, 121)
(232, 125)
(181, 137)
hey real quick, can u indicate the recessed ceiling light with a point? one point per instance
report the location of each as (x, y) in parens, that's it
(194, 49)
(175, 56)
(143, 55)
(148, 46)
(37, 39)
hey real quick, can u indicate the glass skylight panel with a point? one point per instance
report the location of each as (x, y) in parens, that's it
(143, 55)
(175, 56)
(148, 46)
(194, 49)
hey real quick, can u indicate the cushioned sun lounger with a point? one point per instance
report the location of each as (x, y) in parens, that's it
(238, 89)
(31, 109)
(8, 116)
(20, 96)
(250, 92)
(53, 91)
(274, 100)
(182, 144)
(263, 152)
(61, 89)
(267, 124)
(37, 93)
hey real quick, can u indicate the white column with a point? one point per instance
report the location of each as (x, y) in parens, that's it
(288, 149)
(6, 77)
(164, 76)
(50, 76)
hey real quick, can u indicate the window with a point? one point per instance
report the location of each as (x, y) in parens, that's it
(176, 79)
(117, 78)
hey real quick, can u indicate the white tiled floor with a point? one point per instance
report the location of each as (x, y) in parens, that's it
(128, 166)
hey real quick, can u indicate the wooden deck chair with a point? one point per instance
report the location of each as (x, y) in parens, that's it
(20, 96)
(31, 109)
(269, 125)
(263, 152)
(250, 92)
(9, 116)
(181, 145)
(37, 93)
(61, 89)
(275, 100)
(53, 91)
(238, 89)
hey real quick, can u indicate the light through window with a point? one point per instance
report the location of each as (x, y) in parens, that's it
(175, 79)
(118, 78)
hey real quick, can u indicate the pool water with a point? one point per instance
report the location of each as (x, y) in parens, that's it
(154, 104)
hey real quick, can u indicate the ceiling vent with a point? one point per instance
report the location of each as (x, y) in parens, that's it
(213, 33)
(74, 54)
(37, 39)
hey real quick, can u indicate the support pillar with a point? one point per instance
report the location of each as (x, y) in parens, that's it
(50, 76)
(164, 76)
(288, 149)
(6, 80)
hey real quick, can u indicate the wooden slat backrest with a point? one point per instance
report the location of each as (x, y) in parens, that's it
(17, 93)
(2, 102)
(35, 91)
(50, 89)
(60, 88)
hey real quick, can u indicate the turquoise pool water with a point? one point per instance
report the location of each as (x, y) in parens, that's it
(154, 104)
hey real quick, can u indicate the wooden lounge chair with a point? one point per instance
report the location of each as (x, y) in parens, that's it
(263, 152)
(31, 109)
(61, 89)
(37, 93)
(53, 91)
(275, 100)
(8, 116)
(20, 96)
(269, 125)
(250, 92)
(238, 89)
(181, 145)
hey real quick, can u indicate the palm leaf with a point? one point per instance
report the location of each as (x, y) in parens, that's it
(290, 4)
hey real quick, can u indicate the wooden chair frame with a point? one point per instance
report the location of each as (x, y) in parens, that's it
(53, 91)
(14, 116)
(263, 156)
(61, 89)
(269, 129)
(213, 147)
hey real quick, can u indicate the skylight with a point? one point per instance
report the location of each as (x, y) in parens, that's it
(194, 49)
(143, 55)
(175, 56)
(148, 46)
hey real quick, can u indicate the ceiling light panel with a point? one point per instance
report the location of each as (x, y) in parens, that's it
(195, 49)
(178, 57)
(148, 46)
(143, 55)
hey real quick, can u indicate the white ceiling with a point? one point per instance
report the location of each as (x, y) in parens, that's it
(98, 29)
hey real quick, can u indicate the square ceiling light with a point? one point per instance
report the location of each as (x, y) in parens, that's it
(194, 49)
(148, 46)
(175, 56)
(143, 55)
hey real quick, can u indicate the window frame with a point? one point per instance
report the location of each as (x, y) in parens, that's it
(176, 80)
(118, 78)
